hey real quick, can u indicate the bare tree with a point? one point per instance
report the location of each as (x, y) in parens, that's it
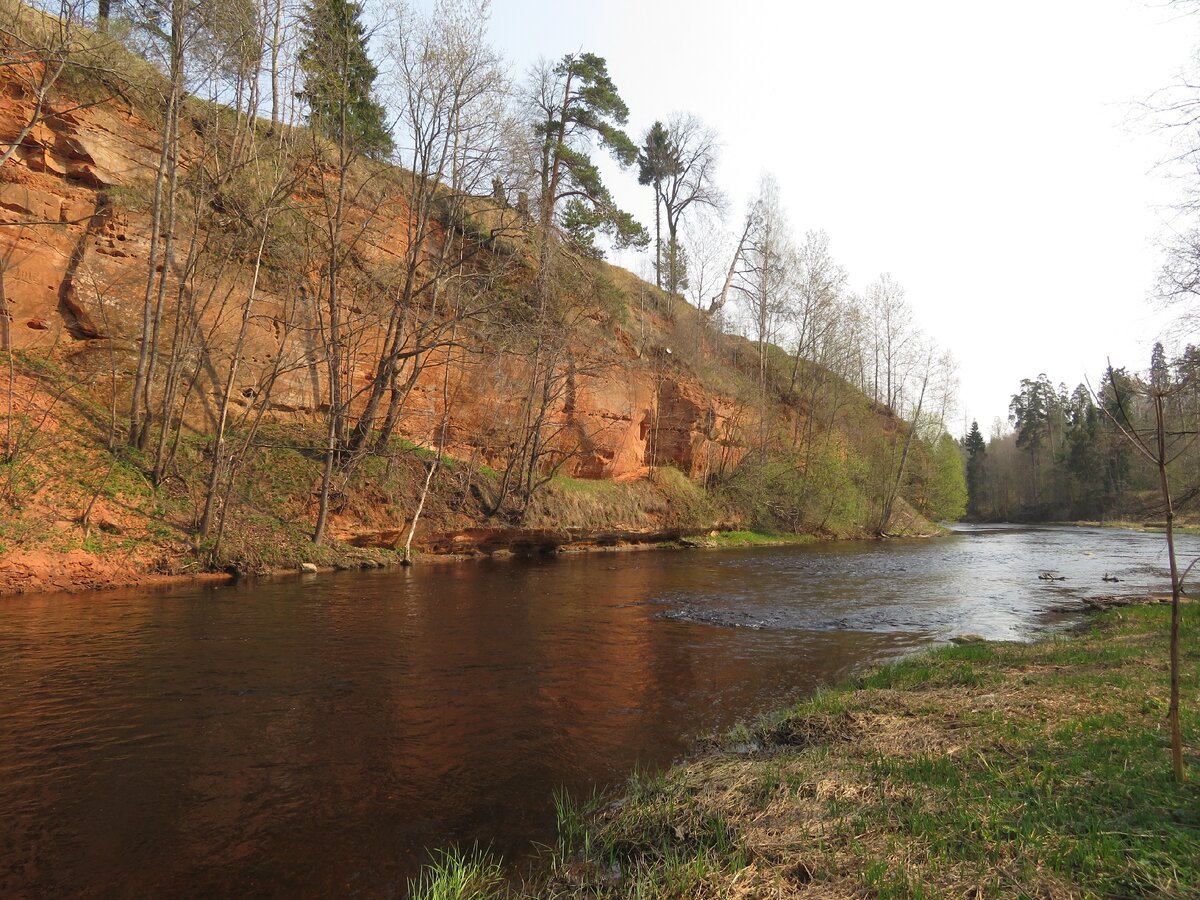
(1175, 111)
(1161, 445)
(435, 465)
(707, 246)
(453, 133)
(737, 262)
(276, 13)
(688, 185)
(339, 91)
(768, 259)
(818, 282)
(37, 49)
(175, 37)
(892, 333)
(274, 179)
(926, 361)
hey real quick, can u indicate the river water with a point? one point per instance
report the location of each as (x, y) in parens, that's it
(317, 736)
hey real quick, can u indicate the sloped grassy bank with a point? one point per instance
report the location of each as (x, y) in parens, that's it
(980, 770)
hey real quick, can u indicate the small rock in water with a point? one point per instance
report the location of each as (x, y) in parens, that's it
(309, 568)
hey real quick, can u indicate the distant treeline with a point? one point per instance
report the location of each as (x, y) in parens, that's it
(1070, 455)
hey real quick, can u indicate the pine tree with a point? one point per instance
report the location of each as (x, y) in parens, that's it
(1160, 376)
(339, 77)
(577, 103)
(973, 443)
(976, 449)
(657, 160)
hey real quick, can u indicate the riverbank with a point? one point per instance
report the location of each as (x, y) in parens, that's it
(81, 511)
(76, 570)
(89, 521)
(1188, 525)
(981, 769)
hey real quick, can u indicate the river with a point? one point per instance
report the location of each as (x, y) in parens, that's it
(318, 735)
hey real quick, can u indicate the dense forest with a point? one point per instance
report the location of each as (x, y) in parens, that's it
(248, 240)
(1074, 455)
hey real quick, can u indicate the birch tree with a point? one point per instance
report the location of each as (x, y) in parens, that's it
(688, 185)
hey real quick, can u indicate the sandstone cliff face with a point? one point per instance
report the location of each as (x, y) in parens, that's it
(74, 240)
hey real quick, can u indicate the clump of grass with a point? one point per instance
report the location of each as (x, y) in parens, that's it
(655, 841)
(668, 499)
(460, 875)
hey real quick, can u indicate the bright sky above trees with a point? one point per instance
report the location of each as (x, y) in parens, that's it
(988, 156)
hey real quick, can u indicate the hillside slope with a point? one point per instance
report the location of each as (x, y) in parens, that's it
(651, 429)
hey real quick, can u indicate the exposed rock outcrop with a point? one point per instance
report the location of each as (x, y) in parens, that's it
(75, 240)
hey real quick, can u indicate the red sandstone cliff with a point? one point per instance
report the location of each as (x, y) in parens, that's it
(74, 241)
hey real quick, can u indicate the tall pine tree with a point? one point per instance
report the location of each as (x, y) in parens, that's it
(976, 449)
(657, 161)
(576, 104)
(339, 78)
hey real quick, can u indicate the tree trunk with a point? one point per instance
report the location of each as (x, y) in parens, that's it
(334, 437)
(167, 255)
(139, 377)
(10, 447)
(326, 480)
(721, 298)
(276, 29)
(1164, 486)
(894, 493)
(657, 233)
(230, 377)
(433, 466)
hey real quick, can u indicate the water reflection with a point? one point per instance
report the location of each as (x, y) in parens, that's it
(316, 737)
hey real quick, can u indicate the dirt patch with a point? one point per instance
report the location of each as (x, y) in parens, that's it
(34, 571)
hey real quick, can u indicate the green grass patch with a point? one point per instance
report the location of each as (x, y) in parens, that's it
(756, 539)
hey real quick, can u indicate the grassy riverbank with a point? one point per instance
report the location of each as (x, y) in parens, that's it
(979, 770)
(79, 511)
(749, 538)
(1188, 525)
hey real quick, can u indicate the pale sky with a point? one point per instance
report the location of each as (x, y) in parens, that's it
(986, 155)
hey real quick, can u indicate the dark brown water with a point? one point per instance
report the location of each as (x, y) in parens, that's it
(317, 736)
